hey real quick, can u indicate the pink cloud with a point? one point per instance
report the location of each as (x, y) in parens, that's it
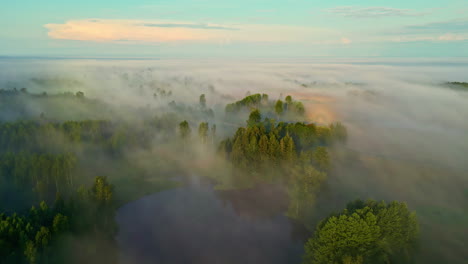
(105, 30)
(128, 30)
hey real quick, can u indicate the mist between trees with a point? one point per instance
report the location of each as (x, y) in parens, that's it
(77, 146)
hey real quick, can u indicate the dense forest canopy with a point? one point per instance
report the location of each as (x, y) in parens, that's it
(365, 232)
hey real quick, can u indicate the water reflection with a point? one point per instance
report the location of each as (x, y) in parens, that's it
(193, 225)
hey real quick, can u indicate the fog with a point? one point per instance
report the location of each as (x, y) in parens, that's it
(407, 130)
(399, 111)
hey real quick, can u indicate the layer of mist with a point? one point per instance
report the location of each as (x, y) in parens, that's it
(407, 130)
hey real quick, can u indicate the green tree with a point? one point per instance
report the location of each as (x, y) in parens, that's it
(365, 232)
(321, 159)
(202, 101)
(289, 150)
(299, 107)
(263, 148)
(304, 185)
(343, 237)
(279, 107)
(203, 132)
(102, 191)
(60, 223)
(30, 252)
(213, 133)
(184, 129)
(43, 237)
(79, 94)
(254, 118)
(273, 147)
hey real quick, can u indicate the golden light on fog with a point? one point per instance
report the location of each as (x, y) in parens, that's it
(318, 107)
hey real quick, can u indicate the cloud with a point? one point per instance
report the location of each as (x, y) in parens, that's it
(266, 11)
(418, 38)
(370, 12)
(106, 30)
(452, 37)
(440, 31)
(126, 30)
(345, 40)
(460, 25)
(197, 26)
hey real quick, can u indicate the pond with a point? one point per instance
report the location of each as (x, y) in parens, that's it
(195, 224)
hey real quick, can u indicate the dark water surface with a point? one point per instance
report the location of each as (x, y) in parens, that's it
(192, 224)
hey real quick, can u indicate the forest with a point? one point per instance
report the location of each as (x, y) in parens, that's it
(71, 159)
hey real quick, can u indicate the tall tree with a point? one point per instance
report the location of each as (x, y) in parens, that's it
(203, 101)
(184, 129)
(321, 159)
(102, 191)
(203, 132)
(279, 107)
(263, 148)
(213, 133)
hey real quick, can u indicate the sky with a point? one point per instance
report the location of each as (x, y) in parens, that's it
(241, 28)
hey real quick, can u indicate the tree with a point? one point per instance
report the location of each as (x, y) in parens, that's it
(184, 129)
(43, 237)
(203, 101)
(79, 94)
(102, 191)
(203, 131)
(365, 232)
(288, 99)
(263, 148)
(59, 205)
(264, 99)
(250, 101)
(60, 223)
(30, 252)
(279, 107)
(344, 236)
(321, 159)
(273, 147)
(299, 108)
(213, 133)
(339, 132)
(289, 153)
(305, 182)
(254, 118)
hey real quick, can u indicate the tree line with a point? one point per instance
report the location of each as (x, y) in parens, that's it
(43, 136)
(262, 102)
(45, 174)
(42, 234)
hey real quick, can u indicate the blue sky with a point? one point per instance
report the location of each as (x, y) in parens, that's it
(208, 28)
